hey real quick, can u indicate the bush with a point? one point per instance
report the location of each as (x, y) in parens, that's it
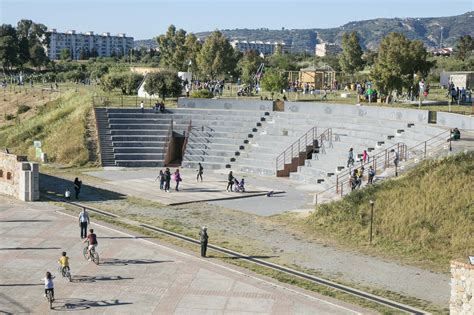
(9, 116)
(22, 109)
(201, 94)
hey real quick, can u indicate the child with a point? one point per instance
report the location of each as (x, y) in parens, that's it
(64, 262)
(67, 194)
(162, 180)
(48, 284)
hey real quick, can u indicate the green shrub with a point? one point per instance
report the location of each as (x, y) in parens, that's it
(22, 109)
(9, 116)
(202, 94)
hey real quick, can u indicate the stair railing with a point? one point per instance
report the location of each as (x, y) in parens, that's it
(166, 149)
(186, 136)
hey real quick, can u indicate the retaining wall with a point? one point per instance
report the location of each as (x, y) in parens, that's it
(18, 177)
(462, 289)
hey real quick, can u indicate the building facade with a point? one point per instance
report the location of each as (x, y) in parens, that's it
(327, 49)
(265, 48)
(103, 45)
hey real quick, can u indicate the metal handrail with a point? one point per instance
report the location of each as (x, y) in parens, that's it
(409, 154)
(295, 148)
(186, 136)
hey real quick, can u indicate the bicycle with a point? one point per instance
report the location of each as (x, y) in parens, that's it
(94, 256)
(65, 272)
(49, 296)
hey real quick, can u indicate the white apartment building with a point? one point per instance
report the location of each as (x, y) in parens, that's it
(265, 48)
(104, 44)
(325, 49)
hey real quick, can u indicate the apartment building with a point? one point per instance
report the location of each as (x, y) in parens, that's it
(265, 48)
(104, 45)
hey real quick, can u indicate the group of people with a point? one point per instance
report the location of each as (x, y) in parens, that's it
(458, 95)
(165, 179)
(77, 189)
(357, 176)
(233, 183)
(63, 261)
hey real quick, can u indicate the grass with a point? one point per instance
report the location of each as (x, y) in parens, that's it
(425, 216)
(61, 126)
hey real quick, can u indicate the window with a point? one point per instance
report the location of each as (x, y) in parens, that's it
(9, 176)
(1, 173)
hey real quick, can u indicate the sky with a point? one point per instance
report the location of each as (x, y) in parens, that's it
(145, 19)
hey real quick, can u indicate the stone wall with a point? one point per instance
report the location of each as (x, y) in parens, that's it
(18, 177)
(462, 289)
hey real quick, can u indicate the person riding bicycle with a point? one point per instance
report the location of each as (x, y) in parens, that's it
(48, 284)
(92, 240)
(64, 262)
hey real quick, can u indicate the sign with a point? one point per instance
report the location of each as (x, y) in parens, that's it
(37, 144)
(471, 260)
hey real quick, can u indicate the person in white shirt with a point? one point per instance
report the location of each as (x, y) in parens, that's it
(83, 221)
(142, 107)
(48, 284)
(67, 194)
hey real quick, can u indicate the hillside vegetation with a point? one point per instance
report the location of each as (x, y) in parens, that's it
(61, 126)
(426, 214)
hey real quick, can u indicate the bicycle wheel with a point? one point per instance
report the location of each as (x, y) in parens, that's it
(95, 257)
(84, 252)
(68, 275)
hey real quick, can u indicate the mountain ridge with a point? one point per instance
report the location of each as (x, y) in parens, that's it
(430, 30)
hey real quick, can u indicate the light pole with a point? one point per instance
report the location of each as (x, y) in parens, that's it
(371, 219)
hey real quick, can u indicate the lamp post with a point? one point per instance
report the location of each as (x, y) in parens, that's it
(371, 219)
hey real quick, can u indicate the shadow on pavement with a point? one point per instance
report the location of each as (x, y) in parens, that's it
(57, 186)
(20, 284)
(28, 248)
(124, 237)
(23, 221)
(124, 262)
(251, 257)
(82, 304)
(89, 279)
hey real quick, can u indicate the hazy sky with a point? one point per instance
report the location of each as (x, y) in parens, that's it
(144, 19)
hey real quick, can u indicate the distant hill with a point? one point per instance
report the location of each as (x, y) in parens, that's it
(370, 31)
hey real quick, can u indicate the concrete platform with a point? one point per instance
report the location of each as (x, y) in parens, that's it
(136, 275)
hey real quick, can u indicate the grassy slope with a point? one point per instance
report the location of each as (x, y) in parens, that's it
(60, 125)
(427, 215)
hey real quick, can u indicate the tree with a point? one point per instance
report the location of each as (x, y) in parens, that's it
(173, 49)
(464, 47)
(38, 56)
(273, 82)
(32, 35)
(193, 46)
(8, 46)
(65, 54)
(216, 56)
(249, 65)
(398, 60)
(127, 82)
(164, 84)
(351, 57)
(284, 62)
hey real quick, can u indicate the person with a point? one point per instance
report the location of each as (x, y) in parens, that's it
(270, 193)
(167, 179)
(48, 284)
(365, 156)
(200, 172)
(354, 180)
(77, 187)
(92, 240)
(204, 239)
(397, 157)
(162, 179)
(350, 157)
(67, 194)
(455, 134)
(177, 178)
(142, 107)
(162, 107)
(230, 181)
(83, 221)
(64, 263)
(371, 176)
(242, 185)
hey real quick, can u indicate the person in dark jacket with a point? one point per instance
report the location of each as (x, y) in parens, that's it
(167, 179)
(230, 181)
(77, 187)
(204, 239)
(200, 171)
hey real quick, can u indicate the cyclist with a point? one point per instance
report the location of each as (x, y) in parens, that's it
(48, 284)
(64, 262)
(92, 240)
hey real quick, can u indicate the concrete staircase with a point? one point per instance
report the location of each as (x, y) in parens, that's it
(132, 138)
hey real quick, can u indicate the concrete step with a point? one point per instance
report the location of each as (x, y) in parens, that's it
(139, 150)
(139, 156)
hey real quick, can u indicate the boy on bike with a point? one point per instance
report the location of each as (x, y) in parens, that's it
(92, 240)
(48, 284)
(64, 262)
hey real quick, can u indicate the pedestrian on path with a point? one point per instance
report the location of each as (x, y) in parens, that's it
(142, 107)
(371, 175)
(396, 158)
(77, 187)
(177, 178)
(365, 156)
(200, 172)
(204, 239)
(67, 194)
(230, 181)
(83, 221)
(167, 179)
(350, 157)
(162, 179)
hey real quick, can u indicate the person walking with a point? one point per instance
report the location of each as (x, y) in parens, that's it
(365, 156)
(77, 187)
(200, 171)
(371, 175)
(397, 157)
(167, 179)
(142, 107)
(230, 181)
(162, 179)
(204, 239)
(177, 178)
(83, 221)
(350, 157)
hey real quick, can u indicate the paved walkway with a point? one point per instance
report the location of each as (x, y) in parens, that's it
(136, 275)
